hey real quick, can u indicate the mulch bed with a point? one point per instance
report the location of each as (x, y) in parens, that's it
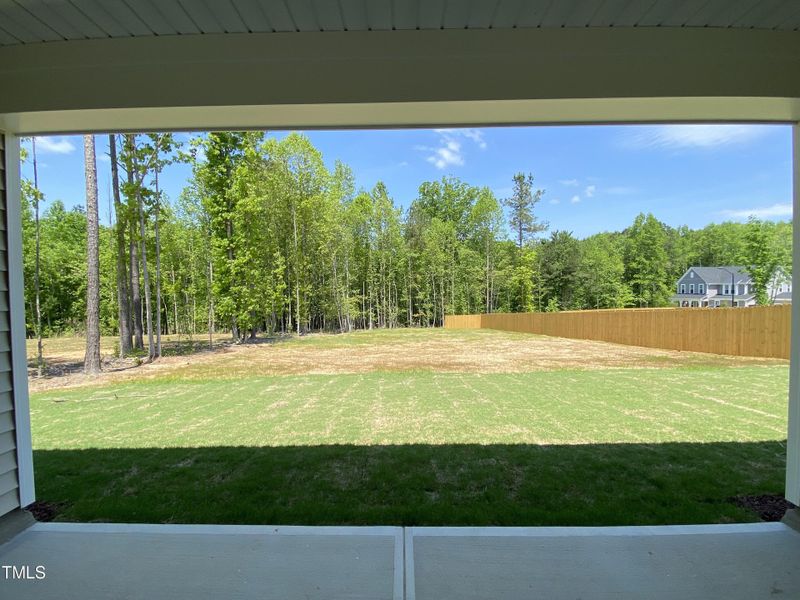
(769, 507)
(44, 511)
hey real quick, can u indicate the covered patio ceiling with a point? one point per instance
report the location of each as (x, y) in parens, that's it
(85, 65)
(32, 21)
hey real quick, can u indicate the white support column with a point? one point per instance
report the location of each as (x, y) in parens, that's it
(793, 444)
(16, 300)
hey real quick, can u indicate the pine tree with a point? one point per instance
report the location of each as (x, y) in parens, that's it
(123, 299)
(91, 363)
(521, 206)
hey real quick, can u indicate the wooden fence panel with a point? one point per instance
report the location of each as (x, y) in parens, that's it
(762, 331)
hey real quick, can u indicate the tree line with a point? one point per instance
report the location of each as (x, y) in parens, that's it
(265, 238)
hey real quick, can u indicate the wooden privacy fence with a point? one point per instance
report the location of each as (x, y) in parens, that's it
(762, 331)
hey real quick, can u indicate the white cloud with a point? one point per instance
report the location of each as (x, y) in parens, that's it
(476, 135)
(554, 201)
(780, 209)
(54, 145)
(575, 199)
(589, 191)
(447, 154)
(568, 182)
(694, 136)
(450, 149)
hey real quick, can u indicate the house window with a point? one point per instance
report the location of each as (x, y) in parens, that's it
(701, 288)
(683, 288)
(716, 302)
(691, 288)
(691, 274)
(726, 289)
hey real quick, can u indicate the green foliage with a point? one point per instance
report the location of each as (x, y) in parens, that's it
(600, 277)
(62, 269)
(646, 261)
(763, 255)
(266, 237)
(560, 260)
(524, 274)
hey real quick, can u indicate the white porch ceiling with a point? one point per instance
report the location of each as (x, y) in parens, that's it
(34, 21)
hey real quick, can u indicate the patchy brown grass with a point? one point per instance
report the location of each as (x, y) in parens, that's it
(428, 350)
(63, 358)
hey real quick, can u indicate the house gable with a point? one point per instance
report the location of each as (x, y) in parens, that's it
(691, 277)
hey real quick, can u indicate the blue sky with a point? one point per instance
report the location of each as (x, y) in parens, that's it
(596, 178)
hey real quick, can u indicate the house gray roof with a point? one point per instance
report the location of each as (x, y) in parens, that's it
(720, 275)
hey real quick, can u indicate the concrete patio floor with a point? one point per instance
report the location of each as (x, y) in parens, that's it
(92, 561)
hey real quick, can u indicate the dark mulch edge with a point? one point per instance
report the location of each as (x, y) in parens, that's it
(770, 507)
(44, 511)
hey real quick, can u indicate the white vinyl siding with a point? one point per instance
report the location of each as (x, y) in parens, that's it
(9, 477)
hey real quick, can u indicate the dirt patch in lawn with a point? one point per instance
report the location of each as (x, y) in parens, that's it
(441, 351)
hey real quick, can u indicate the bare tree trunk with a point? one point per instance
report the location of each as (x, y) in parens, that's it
(37, 198)
(91, 363)
(296, 269)
(229, 234)
(175, 299)
(349, 318)
(486, 306)
(151, 351)
(335, 289)
(158, 266)
(210, 303)
(408, 280)
(136, 294)
(122, 271)
(433, 287)
(443, 294)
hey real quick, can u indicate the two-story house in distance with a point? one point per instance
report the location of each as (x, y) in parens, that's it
(726, 286)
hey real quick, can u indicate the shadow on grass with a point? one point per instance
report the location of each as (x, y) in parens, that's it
(59, 365)
(596, 484)
(198, 345)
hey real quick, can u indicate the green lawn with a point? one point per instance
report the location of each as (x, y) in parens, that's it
(553, 447)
